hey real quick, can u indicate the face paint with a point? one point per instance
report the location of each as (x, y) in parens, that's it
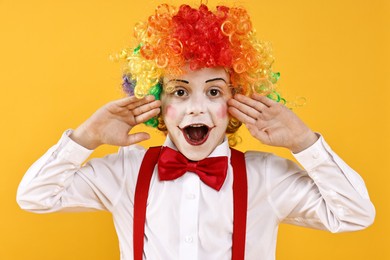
(195, 110)
(170, 111)
(222, 112)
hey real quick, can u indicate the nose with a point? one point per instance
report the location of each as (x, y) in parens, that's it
(196, 105)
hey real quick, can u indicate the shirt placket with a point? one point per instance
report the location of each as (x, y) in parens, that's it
(189, 217)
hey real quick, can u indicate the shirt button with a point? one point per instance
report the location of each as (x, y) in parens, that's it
(188, 239)
(190, 196)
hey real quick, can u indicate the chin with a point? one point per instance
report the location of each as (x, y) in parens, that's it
(196, 154)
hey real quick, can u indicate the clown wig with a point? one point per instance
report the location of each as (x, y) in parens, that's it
(173, 37)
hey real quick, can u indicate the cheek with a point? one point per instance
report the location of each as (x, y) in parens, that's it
(170, 112)
(222, 111)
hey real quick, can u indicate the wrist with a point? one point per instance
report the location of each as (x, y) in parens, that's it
(84, 138)
(305, 141)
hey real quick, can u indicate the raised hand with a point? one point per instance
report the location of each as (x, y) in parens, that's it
(112, 123)
(272, 123)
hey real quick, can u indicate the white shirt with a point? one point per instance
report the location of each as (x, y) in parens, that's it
(188, 220)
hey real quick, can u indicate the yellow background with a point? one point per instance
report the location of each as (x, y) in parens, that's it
(55, 71)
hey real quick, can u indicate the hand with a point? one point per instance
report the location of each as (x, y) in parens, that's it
(112, 123)
(272, 123)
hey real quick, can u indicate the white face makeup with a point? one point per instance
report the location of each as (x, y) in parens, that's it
(194, 110)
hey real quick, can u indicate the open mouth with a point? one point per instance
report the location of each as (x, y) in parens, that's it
(196, 134)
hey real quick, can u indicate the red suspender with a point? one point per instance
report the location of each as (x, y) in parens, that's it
(141, 198)
(240, 197)
(240, 203)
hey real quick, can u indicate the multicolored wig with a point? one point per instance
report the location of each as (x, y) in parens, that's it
(173, 37)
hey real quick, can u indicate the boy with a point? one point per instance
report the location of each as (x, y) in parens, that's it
(194, 197)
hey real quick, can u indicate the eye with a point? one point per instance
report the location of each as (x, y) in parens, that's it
(180, 92)
(214, 92)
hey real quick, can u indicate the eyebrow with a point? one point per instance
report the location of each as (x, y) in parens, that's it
(180, 80)
(210, 80)
(187, 82)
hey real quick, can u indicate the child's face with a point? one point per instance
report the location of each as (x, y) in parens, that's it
(194, 110)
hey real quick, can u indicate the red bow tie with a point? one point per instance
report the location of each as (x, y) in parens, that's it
(212, 171)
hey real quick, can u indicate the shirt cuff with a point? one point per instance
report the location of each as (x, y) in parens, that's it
(314, 155)
(71, 151)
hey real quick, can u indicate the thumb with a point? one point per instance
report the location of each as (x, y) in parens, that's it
(260, 135)
(136, 138)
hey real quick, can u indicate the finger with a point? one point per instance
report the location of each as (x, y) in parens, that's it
(123, 102)
(254, 103)
(132, 101)
(139, 102)
(146, 116)
(146, 107)
(241, 116)
(119, 106)
(264, 100)
(246, 109)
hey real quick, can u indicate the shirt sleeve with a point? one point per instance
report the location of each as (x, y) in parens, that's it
(327, 194)
(59, 181)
